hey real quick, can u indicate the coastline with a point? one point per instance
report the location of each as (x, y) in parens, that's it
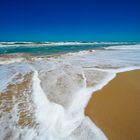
(115, 109)
(66, 81)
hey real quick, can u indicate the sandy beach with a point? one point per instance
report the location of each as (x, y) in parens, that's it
(115, 109)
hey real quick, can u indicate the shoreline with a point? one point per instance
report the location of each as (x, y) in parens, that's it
(115, 109)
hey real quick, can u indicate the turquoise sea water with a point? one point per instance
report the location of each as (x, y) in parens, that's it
(46, 49)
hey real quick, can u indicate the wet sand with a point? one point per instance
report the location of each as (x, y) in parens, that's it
(15, 96)
(115, 109)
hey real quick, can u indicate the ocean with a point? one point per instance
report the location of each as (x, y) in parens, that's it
(52, 48)
(45, 86)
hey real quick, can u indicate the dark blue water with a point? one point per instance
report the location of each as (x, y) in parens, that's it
(50, 50)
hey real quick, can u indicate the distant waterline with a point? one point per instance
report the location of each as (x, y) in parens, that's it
(50, 48)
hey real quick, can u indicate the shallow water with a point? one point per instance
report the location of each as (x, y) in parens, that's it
(44, 99)
(51, 48)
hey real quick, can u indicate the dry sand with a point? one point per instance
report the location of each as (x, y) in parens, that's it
(115, 109)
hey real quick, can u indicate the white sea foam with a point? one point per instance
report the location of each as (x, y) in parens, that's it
(60, 123)
(33, 44)
(61, 88)
(125, 47)
(80, 53)
(11, 60)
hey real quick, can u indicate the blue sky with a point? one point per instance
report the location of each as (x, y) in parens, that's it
(61, 20)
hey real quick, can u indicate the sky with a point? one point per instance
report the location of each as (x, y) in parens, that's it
(70, 20)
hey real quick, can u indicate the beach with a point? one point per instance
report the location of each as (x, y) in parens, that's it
(44, 91)
(115, 109)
